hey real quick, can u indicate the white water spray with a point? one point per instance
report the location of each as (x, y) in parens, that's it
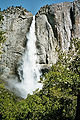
(31, 74)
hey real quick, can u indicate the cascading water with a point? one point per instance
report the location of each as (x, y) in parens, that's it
(30, 68)
(31, 73)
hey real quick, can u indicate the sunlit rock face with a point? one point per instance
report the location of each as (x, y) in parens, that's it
(56, 26)
(16, 24)
(76, 20)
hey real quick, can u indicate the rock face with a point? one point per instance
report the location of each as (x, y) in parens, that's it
(56, 26)
(16, 24)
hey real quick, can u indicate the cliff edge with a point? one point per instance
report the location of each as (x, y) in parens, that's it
(16, 24)
(56, 26)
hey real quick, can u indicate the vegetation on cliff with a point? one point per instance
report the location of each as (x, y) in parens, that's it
(2, 38)
(58, 99)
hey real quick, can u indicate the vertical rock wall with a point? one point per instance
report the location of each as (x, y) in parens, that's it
(56, 26)
(16, 24)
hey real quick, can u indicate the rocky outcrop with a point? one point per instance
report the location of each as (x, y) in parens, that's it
(56, 26)
(16, 24)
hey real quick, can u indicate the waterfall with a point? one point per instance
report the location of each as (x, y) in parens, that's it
(31, 73)
(30, 68)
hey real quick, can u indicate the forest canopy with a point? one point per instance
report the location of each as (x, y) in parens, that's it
(59, 98)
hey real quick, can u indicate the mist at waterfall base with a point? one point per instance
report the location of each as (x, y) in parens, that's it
(31, 74)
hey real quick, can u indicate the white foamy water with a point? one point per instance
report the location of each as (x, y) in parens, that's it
(31, 74)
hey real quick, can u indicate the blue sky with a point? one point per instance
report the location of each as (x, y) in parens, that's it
(30, 5)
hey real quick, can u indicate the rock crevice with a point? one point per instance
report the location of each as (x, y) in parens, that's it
(56, 26)
(16, 24)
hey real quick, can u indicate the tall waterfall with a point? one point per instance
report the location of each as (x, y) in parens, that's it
(31, 73)
(30, 68)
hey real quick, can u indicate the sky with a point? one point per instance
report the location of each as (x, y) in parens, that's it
(31, 5)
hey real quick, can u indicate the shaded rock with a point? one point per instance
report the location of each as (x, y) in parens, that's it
(56, 26)
(45, 41)
(16, 24)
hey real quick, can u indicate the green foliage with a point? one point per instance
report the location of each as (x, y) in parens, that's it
(75, 64)
(1, 17)
(56, 101)
(8, 103)
(2, 38)
(59, 84)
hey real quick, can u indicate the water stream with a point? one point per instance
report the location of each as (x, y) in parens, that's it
(30, 68)
(31, 73)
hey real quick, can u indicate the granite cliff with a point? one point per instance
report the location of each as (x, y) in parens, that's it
(16, 24)
(56, 26)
